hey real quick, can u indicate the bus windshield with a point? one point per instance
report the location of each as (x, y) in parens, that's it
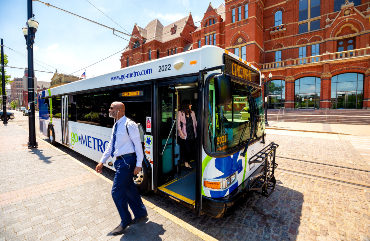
(230, 126)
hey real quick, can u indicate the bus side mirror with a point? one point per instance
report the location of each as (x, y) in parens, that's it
(223, 89)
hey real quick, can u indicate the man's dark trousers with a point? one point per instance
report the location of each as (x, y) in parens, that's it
(125, 192)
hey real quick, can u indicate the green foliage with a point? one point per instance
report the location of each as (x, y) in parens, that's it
(275, 89)
(14, 104)
(7, 78)
(57, 115)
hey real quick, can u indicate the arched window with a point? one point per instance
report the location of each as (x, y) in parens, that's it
(278, 18)
(347, 91)
(136, 44)
(214, 21)
(127, 62)
(276, 90)
(233, 15)
(210, 22)
(150, 54)
(307, 93)
(158, 54)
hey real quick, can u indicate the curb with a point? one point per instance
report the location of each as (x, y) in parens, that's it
(321, 132)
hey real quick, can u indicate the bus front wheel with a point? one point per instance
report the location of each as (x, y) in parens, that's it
(141, 180)
(51, 135)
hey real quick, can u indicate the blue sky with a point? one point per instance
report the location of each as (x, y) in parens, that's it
(69, 43)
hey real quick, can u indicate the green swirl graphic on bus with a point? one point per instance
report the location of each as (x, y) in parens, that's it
(74, 138)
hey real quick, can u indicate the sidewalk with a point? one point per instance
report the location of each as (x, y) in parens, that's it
(355, 130)
(46, 195)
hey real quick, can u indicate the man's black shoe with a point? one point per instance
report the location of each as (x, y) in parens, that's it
(118, 230)
(137, 220)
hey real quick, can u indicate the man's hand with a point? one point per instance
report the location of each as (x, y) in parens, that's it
(99, 167)
(137, 170)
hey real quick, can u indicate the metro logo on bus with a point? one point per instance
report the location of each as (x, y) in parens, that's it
(89, 141)
(132, 75)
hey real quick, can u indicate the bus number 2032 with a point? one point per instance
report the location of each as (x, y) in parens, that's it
(164, 67)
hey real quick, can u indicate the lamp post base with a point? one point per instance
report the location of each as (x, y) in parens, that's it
(32, 146)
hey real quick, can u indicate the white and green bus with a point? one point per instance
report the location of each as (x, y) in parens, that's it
(231, 157)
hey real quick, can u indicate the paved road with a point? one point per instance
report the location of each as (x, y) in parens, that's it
(319, 196)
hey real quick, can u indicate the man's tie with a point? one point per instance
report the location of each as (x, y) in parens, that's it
(114, 139)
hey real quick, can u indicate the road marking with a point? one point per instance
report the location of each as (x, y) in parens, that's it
(164, 213)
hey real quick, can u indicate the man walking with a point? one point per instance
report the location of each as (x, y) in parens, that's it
(127, 148)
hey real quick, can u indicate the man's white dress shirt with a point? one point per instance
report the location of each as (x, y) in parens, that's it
(125, 144)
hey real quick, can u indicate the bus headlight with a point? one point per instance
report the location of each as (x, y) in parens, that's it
(222, 183)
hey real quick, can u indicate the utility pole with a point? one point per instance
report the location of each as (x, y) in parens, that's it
(5, 116)
(31, 88)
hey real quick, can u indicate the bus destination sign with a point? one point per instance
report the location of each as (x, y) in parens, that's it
(132, 93)
(240, 70)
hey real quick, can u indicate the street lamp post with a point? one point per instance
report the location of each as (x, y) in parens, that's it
(266, 94)
(29, 33)
(5, 116)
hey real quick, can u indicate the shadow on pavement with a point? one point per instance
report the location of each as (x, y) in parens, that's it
(40, 154)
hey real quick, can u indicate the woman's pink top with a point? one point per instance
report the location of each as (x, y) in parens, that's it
(181, 118)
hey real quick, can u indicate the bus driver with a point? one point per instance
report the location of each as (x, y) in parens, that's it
(127, 149)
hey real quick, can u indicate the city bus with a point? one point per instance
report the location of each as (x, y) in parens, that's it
(231, 157)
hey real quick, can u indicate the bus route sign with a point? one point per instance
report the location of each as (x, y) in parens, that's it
(132, 93)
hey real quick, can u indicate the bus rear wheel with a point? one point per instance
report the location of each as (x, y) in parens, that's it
(51, 135)
(141, 180)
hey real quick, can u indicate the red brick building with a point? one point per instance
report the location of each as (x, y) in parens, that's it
(317, 51)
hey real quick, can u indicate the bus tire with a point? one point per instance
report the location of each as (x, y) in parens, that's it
(51, 135)
(142, 179)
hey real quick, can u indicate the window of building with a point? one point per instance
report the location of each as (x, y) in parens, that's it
(233, 15)
(206, 40)
(307, 93)
(158, 54)
(302, 54)
(236, 51)
(239, 13)
(136, 44)
(210, 22)
(347, 91)
(278, 18)
(150, 54)
(214, 39)
(245, 11)
(205, 25)
(199, 44)
(338, 4)
(175, 50)
(309, 9)
(127, 62)
(244, 52)
(278, 57)
(171, 51)
(210, 39)
(276, 90)
(345, 45)
(214, 21)
(315, 50)
(168, 52)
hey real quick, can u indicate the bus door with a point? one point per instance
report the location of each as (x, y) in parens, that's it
(182, 186)
(168, 148)
(64, 120)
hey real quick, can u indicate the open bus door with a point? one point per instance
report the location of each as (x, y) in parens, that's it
(64, 120)
(181, 187)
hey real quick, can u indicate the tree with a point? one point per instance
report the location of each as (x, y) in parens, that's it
(14, 104)
(7, 77)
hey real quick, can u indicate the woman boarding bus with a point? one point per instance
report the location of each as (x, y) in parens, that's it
(230, 156)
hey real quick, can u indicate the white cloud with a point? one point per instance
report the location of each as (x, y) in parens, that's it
(197, 19)
(35, 47)
(52, 47)
(185, 2)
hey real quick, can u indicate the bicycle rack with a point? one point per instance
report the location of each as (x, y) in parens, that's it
(264, 183)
